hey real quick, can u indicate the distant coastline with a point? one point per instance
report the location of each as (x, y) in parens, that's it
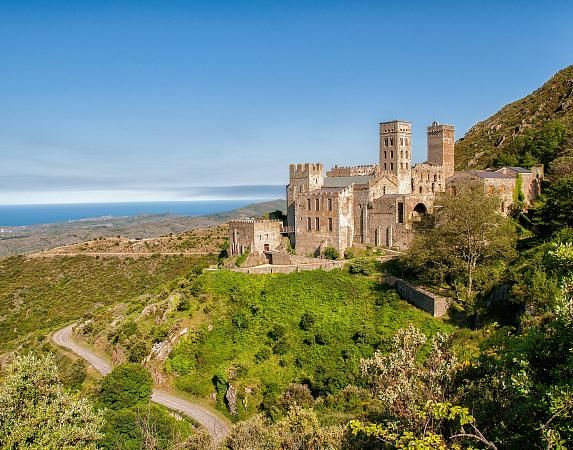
(27, 215)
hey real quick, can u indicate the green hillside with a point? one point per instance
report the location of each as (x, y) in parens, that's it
(261, 332)
(39, 294)
(534, 129)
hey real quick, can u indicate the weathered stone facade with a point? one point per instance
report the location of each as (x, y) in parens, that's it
(255, 236)
(375, 204)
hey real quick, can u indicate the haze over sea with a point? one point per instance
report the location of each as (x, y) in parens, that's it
(20, 215)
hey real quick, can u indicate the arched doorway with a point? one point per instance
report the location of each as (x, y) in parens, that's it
(421, 209)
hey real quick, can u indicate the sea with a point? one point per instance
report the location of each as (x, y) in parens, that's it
(21, 215)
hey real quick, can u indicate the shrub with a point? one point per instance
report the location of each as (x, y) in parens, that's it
(307, 321)
(297, 394)
(262, 355)
(363, 266)
(277, 331)
(125, 386)
(348, 253)
(331, 253)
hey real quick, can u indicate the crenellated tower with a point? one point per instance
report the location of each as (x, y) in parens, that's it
(303, 178)
(396, 152)
(441, 147)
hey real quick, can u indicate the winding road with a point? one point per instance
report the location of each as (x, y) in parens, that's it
(216, 426)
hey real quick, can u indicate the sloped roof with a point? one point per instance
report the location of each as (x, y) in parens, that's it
(346, 181)
(488, 174)
(516, 169)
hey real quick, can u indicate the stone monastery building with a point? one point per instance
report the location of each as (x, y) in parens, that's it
(375, 204)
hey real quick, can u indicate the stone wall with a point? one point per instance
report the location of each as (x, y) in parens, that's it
(434, 304)
(428, 179)
(267, 269)
(254, 235)
(327, 206)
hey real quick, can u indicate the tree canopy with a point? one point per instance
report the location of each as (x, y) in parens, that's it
(36, 412)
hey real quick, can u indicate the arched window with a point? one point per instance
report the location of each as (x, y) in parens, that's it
(391, 142)
(391, 166)
(384, 166)
(401, 154)
(385, 154)
(420, 189)
(391, 153)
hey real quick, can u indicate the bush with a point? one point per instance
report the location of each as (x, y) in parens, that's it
(331, 253)
(307, 321)
(262, 355)
(277, 331)
(125, 386)
(363, 266)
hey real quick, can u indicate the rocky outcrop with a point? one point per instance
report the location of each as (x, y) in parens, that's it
(231, 400)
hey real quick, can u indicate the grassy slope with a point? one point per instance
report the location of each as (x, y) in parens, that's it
(353, 314)
(488, 139)
(38, 295)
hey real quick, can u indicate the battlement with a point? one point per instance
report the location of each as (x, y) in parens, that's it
(351, 171)
(437, 128)
(305, 169)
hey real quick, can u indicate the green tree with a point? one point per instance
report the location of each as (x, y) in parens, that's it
(468, 237)
(36, 412)
(127, 385)
(557, 208)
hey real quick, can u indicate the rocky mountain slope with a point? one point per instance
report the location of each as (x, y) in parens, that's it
(502, 137)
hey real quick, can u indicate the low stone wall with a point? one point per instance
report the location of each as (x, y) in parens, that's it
(268, 268)
(434, 304)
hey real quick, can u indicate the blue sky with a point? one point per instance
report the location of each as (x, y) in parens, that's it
(126, 101)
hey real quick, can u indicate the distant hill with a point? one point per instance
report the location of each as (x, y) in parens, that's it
(534, 129)
(33, 238)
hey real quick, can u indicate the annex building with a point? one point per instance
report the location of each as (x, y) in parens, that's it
(376, 204)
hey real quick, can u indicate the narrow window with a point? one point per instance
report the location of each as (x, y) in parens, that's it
(406, 165)
(384, 190)
(385, 142)
(309, 223)
(330, 224)
(406, 153)
(391, 166)
(391, 142)
(406, 143)
(401, 165)
(384, 166)
(420, 189)
(317, 204)
(401, 153)
(391, 153)
(317, 220)
(400, 212)
(385, 154)
(435, 177)
(308, 201)
(330, 204)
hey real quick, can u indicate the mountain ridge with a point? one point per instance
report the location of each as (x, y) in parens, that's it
(491, 140)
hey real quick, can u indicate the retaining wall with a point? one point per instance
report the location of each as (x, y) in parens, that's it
(268, 268)
(434, 304)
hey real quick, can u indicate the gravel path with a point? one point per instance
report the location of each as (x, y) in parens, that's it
(217, 427)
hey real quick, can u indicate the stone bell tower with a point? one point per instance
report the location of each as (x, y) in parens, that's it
(441, 147)
(396, 152)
